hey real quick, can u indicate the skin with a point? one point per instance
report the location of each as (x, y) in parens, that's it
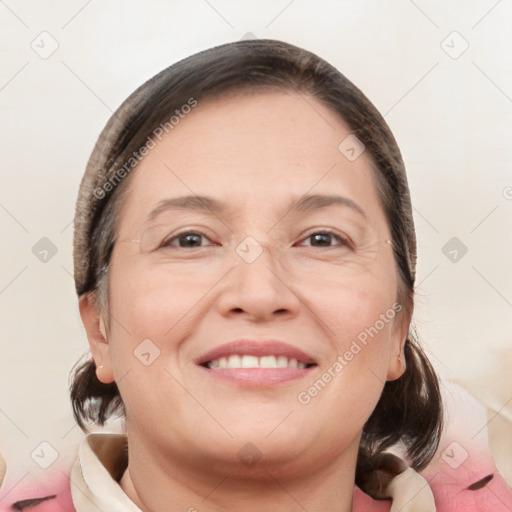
(259, 153)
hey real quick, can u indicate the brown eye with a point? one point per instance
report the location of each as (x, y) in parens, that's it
(324, 239)
(187, 239)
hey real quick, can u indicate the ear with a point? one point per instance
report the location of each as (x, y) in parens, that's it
(399, 332)
(97, 335)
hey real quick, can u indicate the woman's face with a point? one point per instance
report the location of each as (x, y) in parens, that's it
(257, 276)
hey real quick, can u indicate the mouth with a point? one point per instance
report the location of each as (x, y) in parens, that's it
(253, 361)
(257, 362)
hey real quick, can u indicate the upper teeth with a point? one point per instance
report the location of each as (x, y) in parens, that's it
(237, 361)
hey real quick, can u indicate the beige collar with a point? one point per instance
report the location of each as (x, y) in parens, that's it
(102, 459)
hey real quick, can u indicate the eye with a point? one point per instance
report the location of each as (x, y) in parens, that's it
(187, 239)
(325, 238)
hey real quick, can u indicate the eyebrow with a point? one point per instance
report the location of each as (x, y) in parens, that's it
(202, 203)
(318, 201)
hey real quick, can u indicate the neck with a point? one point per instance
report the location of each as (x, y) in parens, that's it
(154, 484)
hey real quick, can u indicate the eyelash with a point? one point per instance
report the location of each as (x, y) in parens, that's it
(167, 243)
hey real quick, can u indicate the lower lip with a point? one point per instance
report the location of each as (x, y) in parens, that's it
(258, 377)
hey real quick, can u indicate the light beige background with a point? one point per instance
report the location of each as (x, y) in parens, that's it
(452, 118)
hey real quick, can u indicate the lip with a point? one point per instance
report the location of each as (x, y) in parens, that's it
(256, 348)
(257, 377)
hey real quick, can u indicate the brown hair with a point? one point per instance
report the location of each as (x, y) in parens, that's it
(409, 409)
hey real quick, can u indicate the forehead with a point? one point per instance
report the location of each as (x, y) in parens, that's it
(254, 151)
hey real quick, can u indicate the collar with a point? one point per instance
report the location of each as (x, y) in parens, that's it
(102, 459)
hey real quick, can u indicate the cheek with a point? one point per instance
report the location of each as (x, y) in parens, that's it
(358, 318)
(151, 301)
(364, 326)
(161, 304)
(152, 309)
(349, 307)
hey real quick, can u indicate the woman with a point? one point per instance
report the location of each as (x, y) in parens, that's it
(245, 263)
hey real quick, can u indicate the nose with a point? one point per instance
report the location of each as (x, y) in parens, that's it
(259, 289)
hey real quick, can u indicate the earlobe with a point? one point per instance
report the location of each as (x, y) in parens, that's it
(397, 366)
(97, 336)
(397, 363)
(102, 329)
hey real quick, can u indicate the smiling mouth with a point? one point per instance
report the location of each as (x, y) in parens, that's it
(237, 361)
